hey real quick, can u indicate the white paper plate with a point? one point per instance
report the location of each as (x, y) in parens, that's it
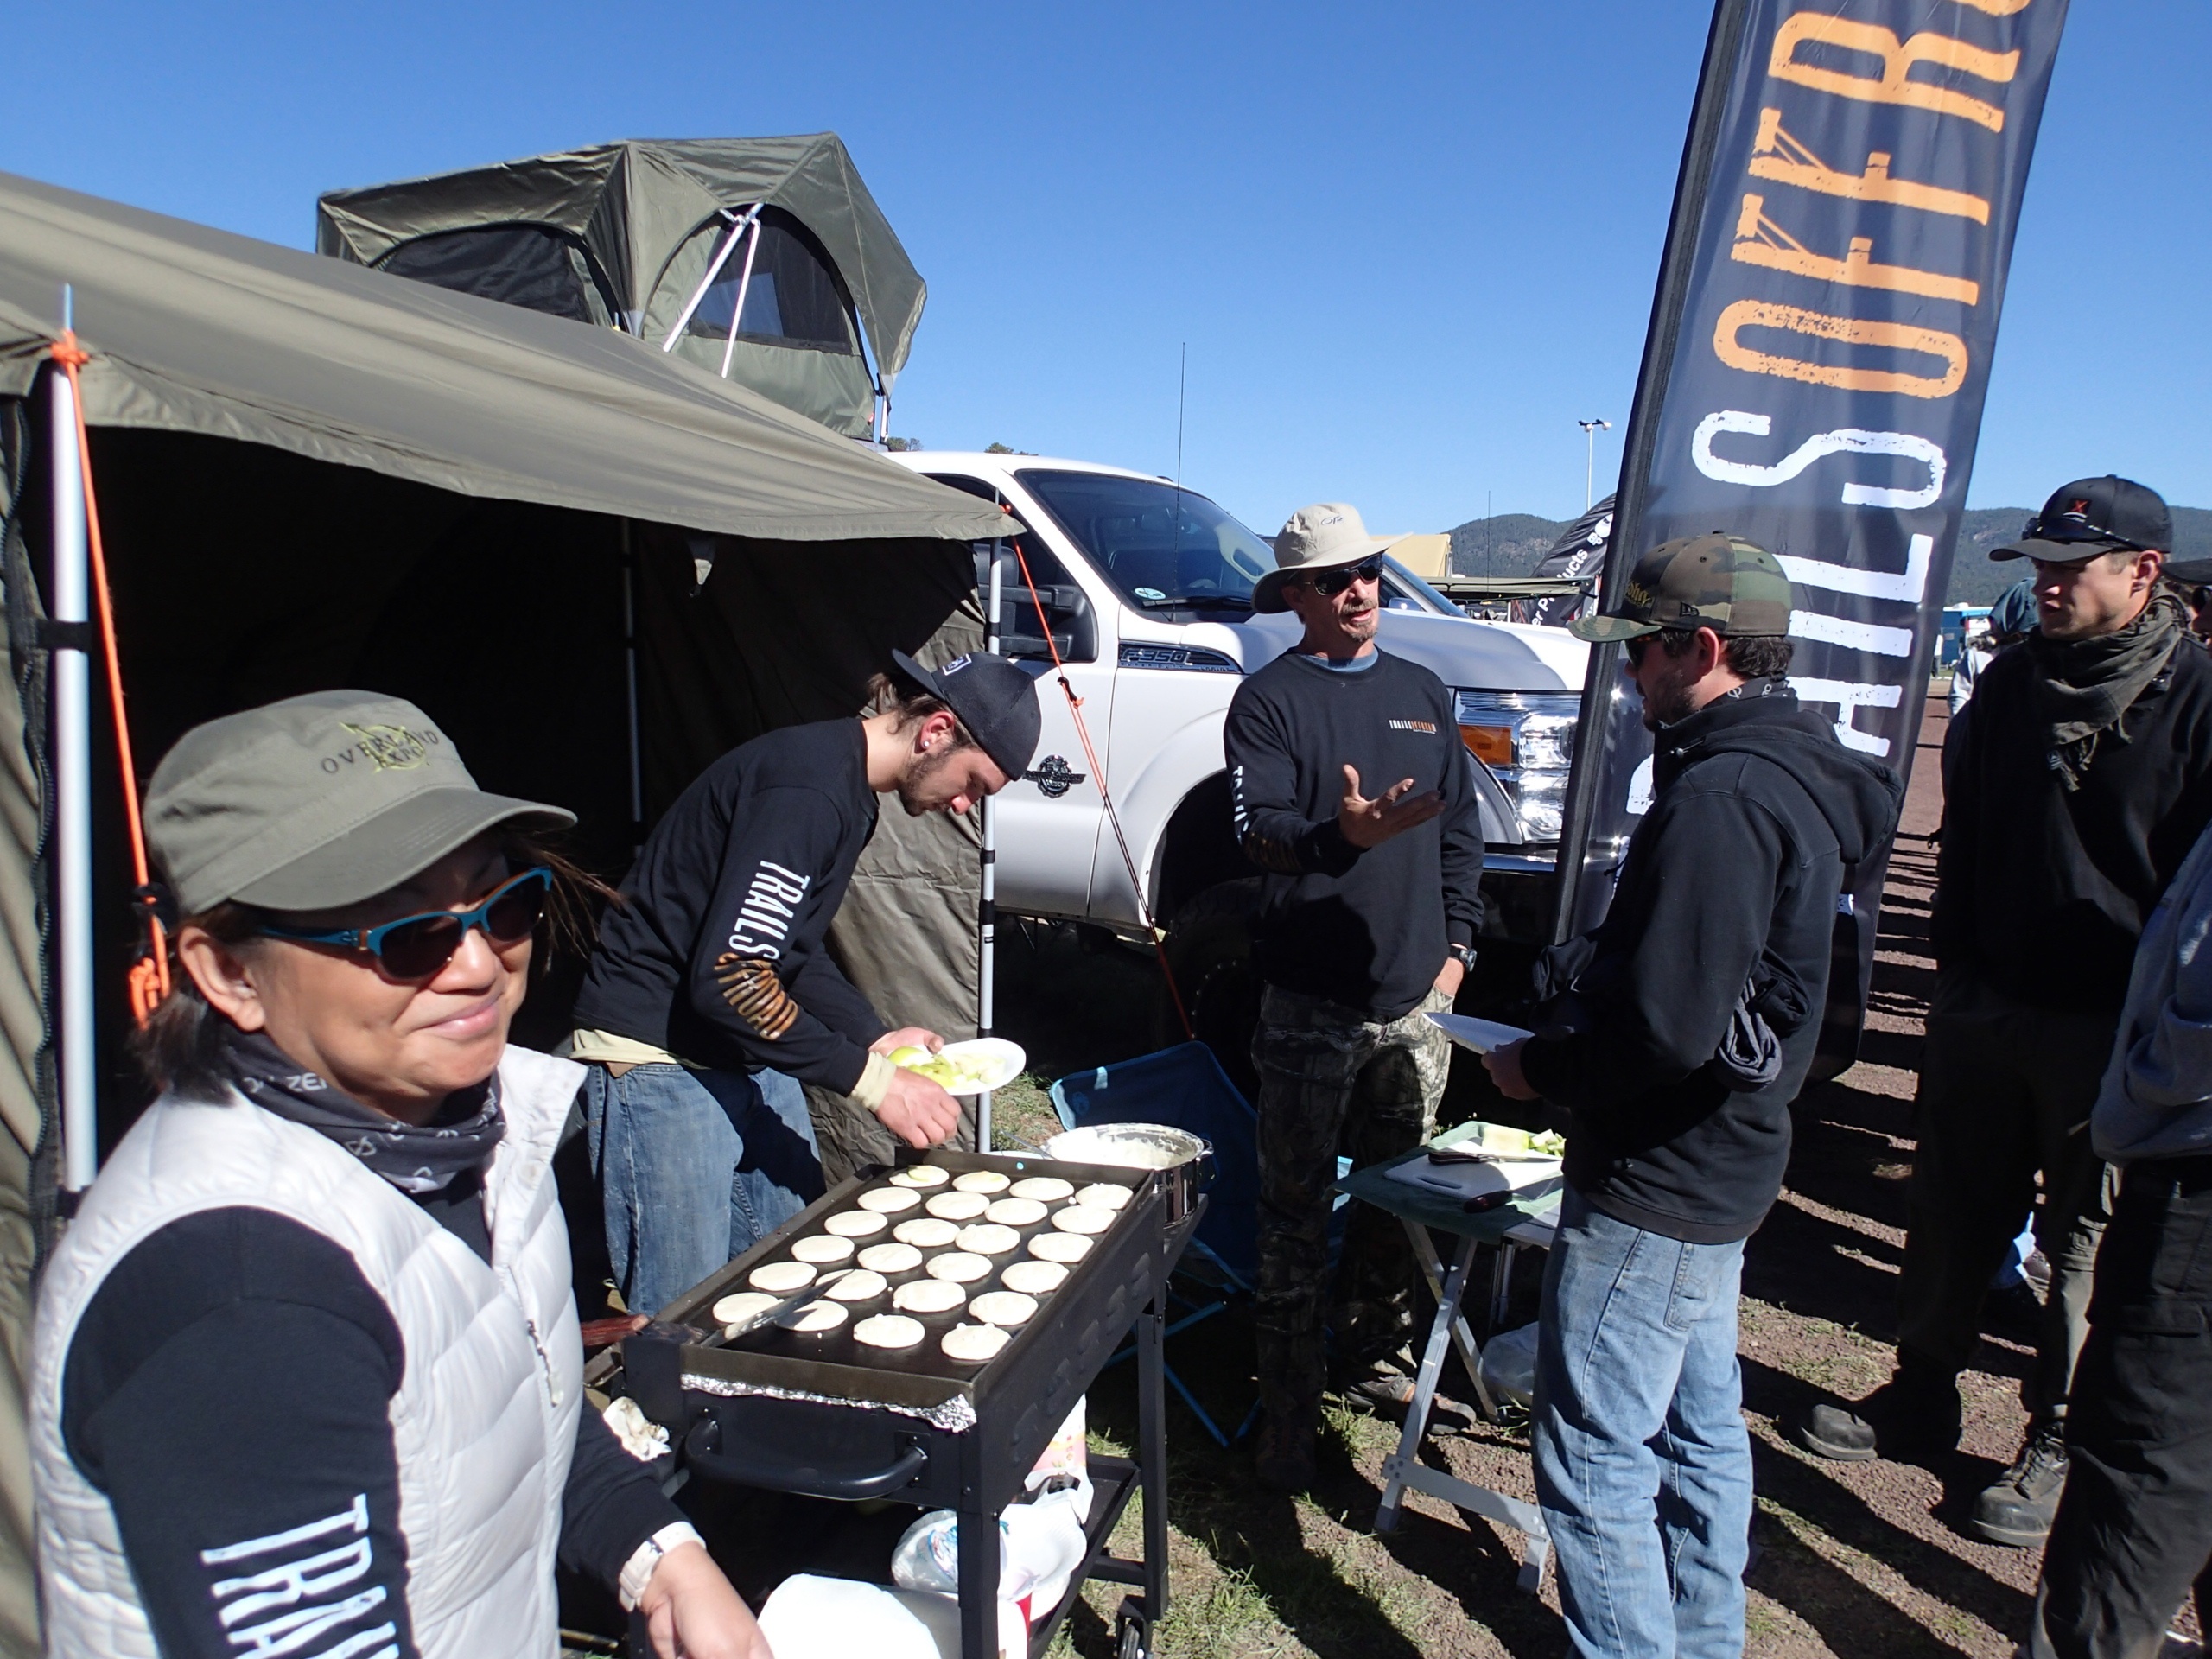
(1006, 1060)
(1481, 1035)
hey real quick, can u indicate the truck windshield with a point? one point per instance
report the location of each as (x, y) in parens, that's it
(1165, 548)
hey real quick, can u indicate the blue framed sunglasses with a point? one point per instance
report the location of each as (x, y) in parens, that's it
(419, 947)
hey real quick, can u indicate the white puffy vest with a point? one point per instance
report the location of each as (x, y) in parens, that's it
(484, 1420)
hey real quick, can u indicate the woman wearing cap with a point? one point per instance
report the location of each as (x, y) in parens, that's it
(712, 995)
(307, 1374)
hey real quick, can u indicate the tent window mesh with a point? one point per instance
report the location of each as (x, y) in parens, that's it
(522, 265)
(794, 297)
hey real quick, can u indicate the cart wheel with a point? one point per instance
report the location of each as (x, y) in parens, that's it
(1132, 1637)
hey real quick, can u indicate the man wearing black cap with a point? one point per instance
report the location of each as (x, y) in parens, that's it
(2079, 781)
(711, 996)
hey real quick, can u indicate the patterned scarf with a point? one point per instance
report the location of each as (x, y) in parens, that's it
(415, 1159)
(2084, 686)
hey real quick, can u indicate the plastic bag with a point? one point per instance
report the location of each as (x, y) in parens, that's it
(1508, 1366)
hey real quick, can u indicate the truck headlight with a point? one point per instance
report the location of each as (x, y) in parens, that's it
(1527, 740)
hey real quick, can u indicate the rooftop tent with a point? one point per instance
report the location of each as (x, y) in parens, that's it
(673, 241)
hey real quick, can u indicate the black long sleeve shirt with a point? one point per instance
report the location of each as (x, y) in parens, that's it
(1368, 930)
(2043, 892)
(229, 1389)
(715, 954)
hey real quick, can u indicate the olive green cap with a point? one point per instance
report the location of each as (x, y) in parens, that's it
(1714, 580)
(316, 801)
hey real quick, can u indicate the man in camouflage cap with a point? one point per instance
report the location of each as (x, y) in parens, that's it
(1675, 1037)
(1715, 581)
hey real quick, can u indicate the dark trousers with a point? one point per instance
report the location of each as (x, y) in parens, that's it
(2135, 1525)
(1331, 1083)
(2004, 1092)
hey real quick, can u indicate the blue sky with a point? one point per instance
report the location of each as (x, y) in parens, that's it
(1408, 245)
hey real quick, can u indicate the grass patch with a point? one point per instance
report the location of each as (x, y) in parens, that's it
(1022, 1114)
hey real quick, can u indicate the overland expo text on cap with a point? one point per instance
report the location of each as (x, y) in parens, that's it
(316, 801)
(2092, 516)
(1714, 580)
(995, 701)
(1326, 533)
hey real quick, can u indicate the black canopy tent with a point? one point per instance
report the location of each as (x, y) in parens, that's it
(764, 260)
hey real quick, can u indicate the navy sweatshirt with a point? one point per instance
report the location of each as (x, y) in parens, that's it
(229, 1389)
(1367, 930)
(715, 953)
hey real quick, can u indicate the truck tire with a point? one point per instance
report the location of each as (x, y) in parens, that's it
(1210, 950)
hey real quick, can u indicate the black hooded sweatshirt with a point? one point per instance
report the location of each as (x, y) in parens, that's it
(1732, 878)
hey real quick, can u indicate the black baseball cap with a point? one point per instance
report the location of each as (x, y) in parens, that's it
(995, 699)
(2092, 516)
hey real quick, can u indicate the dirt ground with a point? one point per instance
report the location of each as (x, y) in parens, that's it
(1853, 1558)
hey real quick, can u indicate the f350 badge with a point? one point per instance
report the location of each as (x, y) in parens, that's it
(1053, 777)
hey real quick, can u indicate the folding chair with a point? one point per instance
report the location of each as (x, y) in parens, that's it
(1185, 1088)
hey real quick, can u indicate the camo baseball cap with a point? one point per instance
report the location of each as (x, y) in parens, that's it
(1714, 580)
(317, 801)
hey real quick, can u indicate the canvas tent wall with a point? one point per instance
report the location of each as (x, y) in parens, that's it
(765, 259)
(311, 476)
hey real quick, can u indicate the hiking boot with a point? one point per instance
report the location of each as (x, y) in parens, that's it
(2017, 1507)
(1914, 1415)
(2014, 1313)
(1390, 1394)
(1283, 1452)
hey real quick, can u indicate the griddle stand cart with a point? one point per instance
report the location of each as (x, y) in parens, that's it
(858, 1451)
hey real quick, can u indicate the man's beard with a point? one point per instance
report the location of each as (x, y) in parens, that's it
(1669, 705)
(913, 794)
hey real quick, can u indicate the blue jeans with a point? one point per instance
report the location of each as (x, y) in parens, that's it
(1643, 1467)
(693, 1167)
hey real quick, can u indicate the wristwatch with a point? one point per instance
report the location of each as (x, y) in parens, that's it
(1463, 954)
(637, 1571)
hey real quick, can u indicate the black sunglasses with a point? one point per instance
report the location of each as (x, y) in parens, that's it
(419, 947)
(1330, 583)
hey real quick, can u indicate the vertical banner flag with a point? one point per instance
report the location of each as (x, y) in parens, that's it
(1579, 552)
(1819, 350)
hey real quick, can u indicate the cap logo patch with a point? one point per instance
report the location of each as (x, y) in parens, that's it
(955, 664)
(389, 748)
(1638, 593)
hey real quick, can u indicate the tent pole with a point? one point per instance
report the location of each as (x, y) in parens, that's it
(714, 270)
(72, 799)
(630, 684)
(989, 910)
(737, 311)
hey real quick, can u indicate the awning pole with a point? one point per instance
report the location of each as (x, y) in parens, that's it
(714, 270)
(987, 912)
(73, 789)
(630, 687)
(737, 311)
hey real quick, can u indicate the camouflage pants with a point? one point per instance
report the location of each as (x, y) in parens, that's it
(1333, 1083)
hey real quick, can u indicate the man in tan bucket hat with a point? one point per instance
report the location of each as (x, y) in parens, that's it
(1326, 536)
(1355, 798)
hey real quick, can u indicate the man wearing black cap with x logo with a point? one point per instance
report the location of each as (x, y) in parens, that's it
(2080, 777)
(711, 996)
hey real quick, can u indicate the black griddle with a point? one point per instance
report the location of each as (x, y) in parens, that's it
(825, 1415)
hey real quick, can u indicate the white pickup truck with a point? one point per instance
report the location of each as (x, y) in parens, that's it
(1147, 590)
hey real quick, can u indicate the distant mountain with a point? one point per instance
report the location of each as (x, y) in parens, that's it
(1511, 544)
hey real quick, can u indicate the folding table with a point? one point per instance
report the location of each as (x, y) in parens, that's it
(1508, 1228)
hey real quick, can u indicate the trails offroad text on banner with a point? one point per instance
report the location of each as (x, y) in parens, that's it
(1819, 349)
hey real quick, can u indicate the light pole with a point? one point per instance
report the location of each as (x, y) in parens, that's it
(1590, 430)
